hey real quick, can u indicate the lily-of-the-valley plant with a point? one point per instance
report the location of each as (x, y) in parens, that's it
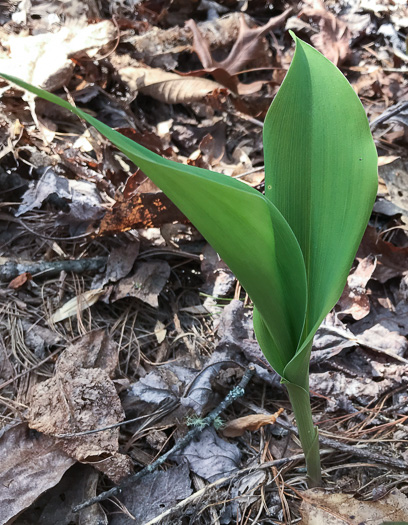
(293, 247)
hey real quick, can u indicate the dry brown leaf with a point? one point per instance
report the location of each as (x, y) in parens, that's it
(30, 464)
(354, 300)
(334, 36)
(20, 280)
(167, 87)
(392, 260)
(323, 507)
(248, 48)
(145, 284)
(143, 210)
(237, 427)
(82, 397)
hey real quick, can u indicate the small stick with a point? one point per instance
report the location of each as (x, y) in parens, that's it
(234, 394)
(11, 268)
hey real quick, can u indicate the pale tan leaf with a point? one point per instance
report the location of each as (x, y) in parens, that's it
(160, 331)
(254, 422)
(43, 59)
(167, 87)
(77, 304)
(323, 507)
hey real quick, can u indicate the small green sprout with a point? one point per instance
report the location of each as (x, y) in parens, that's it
(293, 247)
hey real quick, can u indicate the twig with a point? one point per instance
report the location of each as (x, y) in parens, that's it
(10, 268)
(234, 394)
(363, 453)
(223, 481)
(373, 457)
(10, 218)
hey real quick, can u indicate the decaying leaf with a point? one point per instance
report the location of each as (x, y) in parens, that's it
(43, 59)
(160, 331)
(20, 280)
(143, 210)
(395, 175)
(55, 507)
(81, 397)
(334, 36)
(153, 495)
(79, 201)
(167, 87)
(321, 506)
(218, 278)
(210, 456)
(385, 329)
(248, 48)
(237, 427)
(145, 284)
(30, 464)
(392, 261)
(354, 300)
(339, 388)
(77, 304)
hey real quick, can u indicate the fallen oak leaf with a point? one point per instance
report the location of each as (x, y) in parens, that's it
(237, 427)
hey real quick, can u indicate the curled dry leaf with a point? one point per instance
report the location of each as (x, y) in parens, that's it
(167, 87)
(30, 464)
(77, 304)
(321, 506)
(248, 47)
(354, 300)
(145, 284)
(237, 427)
(20, 280)
(82, 397)
(392, 260)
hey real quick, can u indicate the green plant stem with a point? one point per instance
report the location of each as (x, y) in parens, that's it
(308, 434)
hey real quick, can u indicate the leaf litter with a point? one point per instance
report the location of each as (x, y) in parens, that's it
(156, 328)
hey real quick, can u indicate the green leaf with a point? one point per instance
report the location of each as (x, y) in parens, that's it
(244, 227)
(321, 173)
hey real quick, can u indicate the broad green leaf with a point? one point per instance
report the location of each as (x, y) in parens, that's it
(321, 173)
(246, 229)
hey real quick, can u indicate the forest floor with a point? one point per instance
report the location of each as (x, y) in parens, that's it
(120, 327)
